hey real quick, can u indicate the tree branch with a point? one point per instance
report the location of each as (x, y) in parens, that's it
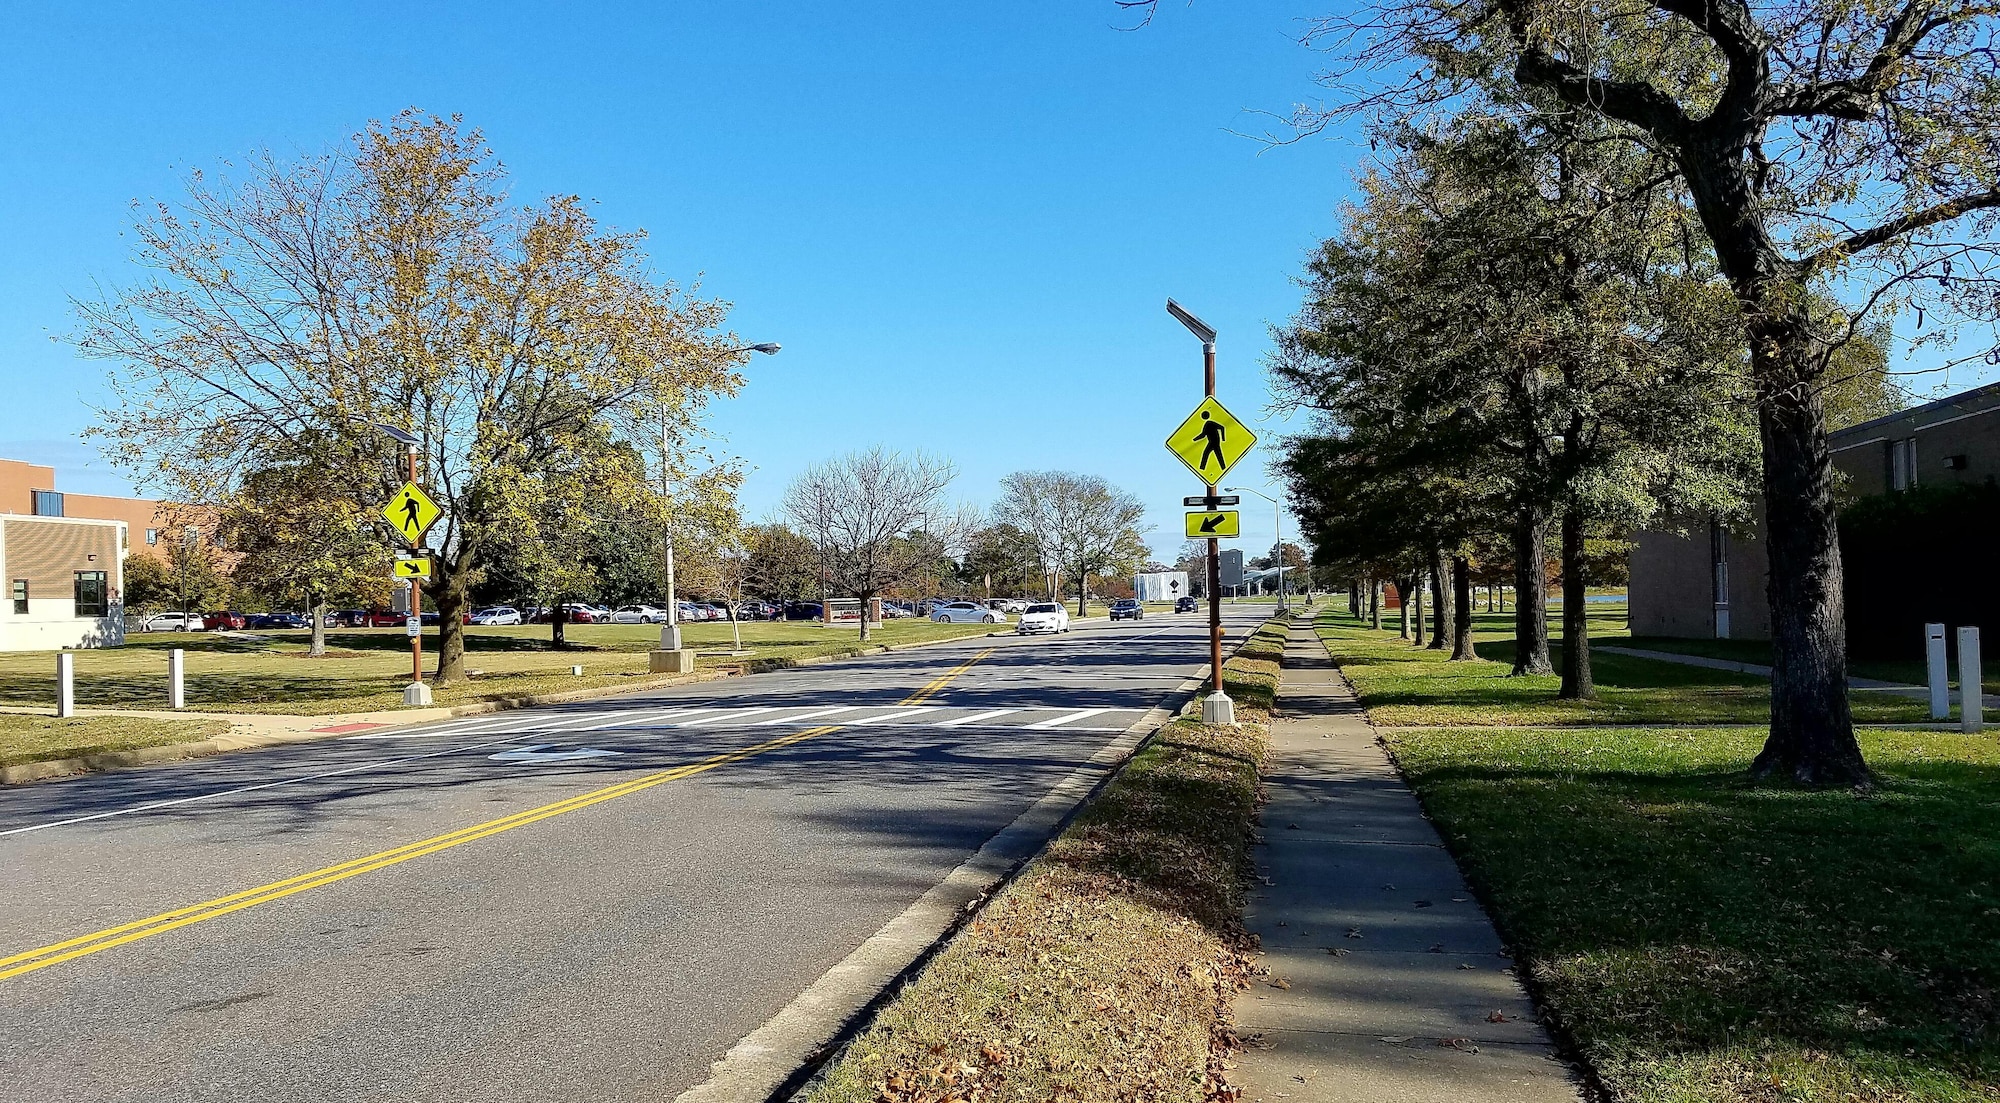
(1897, 227)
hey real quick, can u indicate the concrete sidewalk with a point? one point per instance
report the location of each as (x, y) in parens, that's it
(1386, 982)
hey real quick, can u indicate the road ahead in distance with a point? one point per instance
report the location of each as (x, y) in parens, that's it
(583, 902)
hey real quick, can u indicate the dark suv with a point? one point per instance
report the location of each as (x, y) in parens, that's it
(1127, 609)
(1186, 605)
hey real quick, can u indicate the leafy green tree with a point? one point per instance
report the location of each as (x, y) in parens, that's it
(1004, 554)
(1821, 146)
(783, 565)
(300, 539)
(393, 283)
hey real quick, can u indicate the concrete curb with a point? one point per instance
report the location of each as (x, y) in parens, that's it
(781, 1059)
(230, 742)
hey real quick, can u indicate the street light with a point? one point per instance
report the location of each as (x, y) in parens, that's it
(1278, 514)
(670, 633)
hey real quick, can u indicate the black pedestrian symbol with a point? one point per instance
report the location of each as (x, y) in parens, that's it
(412, 515)
(1211, 434)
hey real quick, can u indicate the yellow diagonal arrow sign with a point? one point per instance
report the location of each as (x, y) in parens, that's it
(413, 568)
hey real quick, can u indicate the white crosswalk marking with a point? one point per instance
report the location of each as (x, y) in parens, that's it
(975, 718)
(634, 720)
(899, 714)
(1058, 721)
(726, 716)
(805, 715)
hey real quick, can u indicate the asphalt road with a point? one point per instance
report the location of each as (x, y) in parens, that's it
(500, 908)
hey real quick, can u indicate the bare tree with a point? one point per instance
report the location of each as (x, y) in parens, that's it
(860, 510)
(1081, 524)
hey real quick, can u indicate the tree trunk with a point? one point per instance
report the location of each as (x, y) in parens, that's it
(1531, 584)
(1082, 594)
(316, 609)
(864, 617)
(1461, 640)
(1417, 608)
(558, 622)
(1441, 611)
(1375, 604)
(1403, 588)
(1576, 683)
(1812, 731)
(1490, 591)
(451, 629)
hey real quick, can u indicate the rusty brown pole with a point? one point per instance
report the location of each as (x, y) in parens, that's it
(417, 599)
(1214, 545)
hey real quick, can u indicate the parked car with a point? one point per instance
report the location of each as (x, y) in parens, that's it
(1126, 608)
(758, 610)
(223, 620)
(172, 622)
(712, 611)
(576, 612)
(1011, 604)
(965, 612)
(896, 610)
(1186, 605)
(498, 614)
(1043, 616)
(639, 614)
(279, 620)
(803, 610)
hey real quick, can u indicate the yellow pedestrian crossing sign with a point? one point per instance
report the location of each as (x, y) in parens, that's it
(1211, 440)
(413, 568)
(1221, 522)
(411, 512)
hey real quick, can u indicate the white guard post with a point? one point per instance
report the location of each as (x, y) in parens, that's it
(1939, 670)
(1971, 687)
(176, 679)
(65, 684)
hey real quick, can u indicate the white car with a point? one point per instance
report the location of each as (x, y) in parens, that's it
(499, 614)
(1043, 616)
(1011, 605)
(172, 622)
(639, 614)
(965, 612)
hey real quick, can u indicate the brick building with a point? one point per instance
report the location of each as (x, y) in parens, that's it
(1709, 583)
(62, 560)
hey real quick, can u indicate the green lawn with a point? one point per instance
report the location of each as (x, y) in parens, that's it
(367, 669)
(1703, 938)
(41, 738)
(1402, 685)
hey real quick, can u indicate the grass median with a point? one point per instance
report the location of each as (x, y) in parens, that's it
(1404, 685)
(1103, 971)
(1704, 938)
(26, 739)
(365, 670)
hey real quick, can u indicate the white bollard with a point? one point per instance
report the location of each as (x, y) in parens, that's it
(176, 678)
(1971, 686)
(1940, 671)
(65, 684)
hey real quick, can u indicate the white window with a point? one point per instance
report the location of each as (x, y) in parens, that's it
(1903, 463)
(152, 536)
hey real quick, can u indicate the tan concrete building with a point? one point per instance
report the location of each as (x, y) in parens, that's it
(65, 579)
(1710, 583)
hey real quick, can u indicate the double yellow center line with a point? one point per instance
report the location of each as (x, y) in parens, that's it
(45, 956)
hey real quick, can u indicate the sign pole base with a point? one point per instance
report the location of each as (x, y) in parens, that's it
(1219, 710)
(417, 693)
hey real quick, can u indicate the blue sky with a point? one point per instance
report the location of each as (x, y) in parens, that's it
(961, 220)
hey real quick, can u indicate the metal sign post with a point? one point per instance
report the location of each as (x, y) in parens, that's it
(412, 513)
(1216, 708)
